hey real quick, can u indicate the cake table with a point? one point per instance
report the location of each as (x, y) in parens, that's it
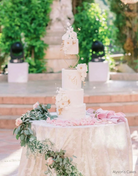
(100, 150)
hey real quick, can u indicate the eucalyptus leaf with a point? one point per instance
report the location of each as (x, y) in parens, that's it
(31, 132)
(32, 138)
(44, 107)
(22, 143)
(18, 129)
(29, 125)
(48, 106)
(14, 131)
(32, 118)
(22, 137)
(26, 120)
(17, 136)
(26, 132)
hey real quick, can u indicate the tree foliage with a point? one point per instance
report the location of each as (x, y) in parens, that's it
(25, 21)
(126, 20)
(77, 3)
(91, 25)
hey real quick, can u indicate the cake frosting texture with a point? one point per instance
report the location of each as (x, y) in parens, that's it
(73, 112)
(71, 79)
(69, 99)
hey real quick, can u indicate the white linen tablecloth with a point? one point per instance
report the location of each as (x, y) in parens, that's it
(101, 150)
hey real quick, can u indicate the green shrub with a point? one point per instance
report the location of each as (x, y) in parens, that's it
(91, 25)
(3, 56)
(25, 21)
(126, 21)
(76, 3)
(36, 67)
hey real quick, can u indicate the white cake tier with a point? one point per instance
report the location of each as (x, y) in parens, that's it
(71, 46)
(75, 96)
(73, 112)
(71, 79)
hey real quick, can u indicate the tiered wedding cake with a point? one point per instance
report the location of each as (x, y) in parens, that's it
(69, 99)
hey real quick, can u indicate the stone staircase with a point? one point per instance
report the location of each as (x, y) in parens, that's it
(13, 107)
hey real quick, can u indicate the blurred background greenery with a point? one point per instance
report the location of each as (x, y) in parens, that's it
(25, 21)
(109, 21)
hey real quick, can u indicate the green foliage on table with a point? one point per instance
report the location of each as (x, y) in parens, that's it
(25, 21)
(24, 131)
(90, 25)
(61, 164)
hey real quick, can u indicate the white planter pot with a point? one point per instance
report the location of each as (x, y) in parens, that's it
(98, 71)
(18, 72)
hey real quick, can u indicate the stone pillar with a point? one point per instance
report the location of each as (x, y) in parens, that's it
(60, 15)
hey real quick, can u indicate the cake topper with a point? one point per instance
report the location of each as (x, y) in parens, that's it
(70, 34)
(70, 44)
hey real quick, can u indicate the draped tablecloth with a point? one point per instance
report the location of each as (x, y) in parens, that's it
(101, 150)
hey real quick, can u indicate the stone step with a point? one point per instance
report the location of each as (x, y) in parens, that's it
(132, 119)
(114, 98)
(128, 107)
(26, 100)
(17, 110)
(8, 122)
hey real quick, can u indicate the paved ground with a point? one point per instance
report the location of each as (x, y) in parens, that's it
(10, 152)
(48, 88)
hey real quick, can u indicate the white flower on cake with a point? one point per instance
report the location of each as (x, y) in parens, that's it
(58, 97)
(60, 90)
(63, 104)
(62, 100)
(82, 69)
(65, 97)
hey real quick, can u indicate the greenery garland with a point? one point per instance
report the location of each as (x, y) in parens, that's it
(55, 160)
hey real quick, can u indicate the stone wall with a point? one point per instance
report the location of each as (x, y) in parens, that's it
(61, 14)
